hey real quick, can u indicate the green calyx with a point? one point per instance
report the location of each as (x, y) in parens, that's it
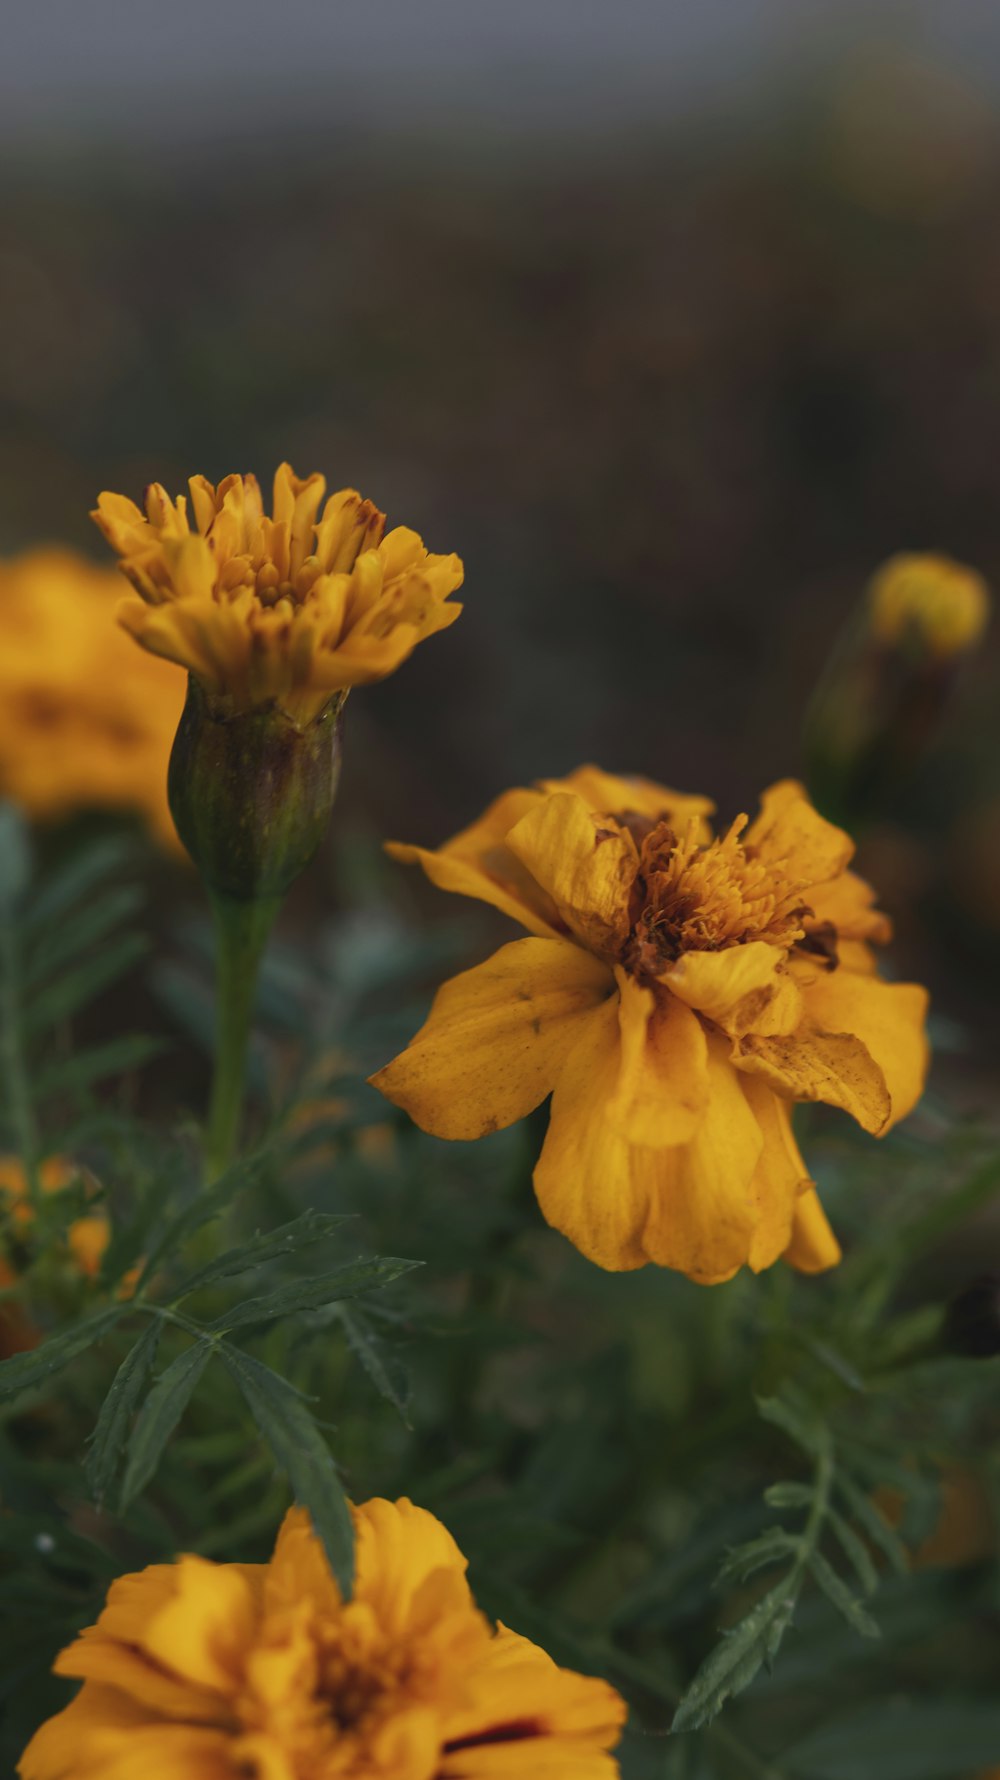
(251, 793)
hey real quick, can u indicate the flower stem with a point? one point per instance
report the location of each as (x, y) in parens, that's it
(241, 930)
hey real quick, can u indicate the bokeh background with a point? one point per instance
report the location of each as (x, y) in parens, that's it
(673, 320)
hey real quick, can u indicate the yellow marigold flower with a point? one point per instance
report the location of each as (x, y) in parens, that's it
(83, 723)
(945, 605)
(205, 1671)
(678, 993)
(286, 609)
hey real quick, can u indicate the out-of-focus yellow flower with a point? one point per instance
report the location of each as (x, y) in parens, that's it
(941, 604)
(205, 1671)
(83, 723)
(677, 995)
(86, 1239)
(285, 609)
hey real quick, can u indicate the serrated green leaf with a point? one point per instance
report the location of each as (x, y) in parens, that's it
(855, 1550)
(300, 1450)
(795, 1420)
(201, 1209)
(874, 1523)
(76, 987)
(274, 1245)
(837, 1591)
(107, 1443)
(309, 1293)
(80, 933)
(769, 1548)
(917, 1739)
(118, 1057)
(81, 875)
(22, 1372)
(160, 1415)
(734, 1662)
(386, 1375)
(789, 1495)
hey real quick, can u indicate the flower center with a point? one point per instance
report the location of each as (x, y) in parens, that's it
(689, 897)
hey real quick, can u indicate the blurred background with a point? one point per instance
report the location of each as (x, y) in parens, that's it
(673, 320)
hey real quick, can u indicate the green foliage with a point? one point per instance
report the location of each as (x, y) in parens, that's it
(711, 1497)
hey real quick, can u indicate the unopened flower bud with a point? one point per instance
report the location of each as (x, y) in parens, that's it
(930, 602)
(251, 792)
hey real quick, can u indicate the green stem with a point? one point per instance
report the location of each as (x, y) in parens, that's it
(12, 1059)
(241, 930)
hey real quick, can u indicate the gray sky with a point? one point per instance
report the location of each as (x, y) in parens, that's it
(178, 70)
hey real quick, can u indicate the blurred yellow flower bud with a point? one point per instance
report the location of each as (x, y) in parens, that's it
(939, 603)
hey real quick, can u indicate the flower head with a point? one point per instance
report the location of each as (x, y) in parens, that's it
(942, 604)
(677, 995)
(263, 1672)
(288, 608)
(84, 723)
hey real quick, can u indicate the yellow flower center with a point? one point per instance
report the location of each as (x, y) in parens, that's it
(689, 897)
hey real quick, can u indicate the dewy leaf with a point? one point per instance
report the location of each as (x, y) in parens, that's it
(159, 1416)
(837, 1591)
(309, 1293)
(108, 1439)
(200, 1209)
(299, 1448)
(23, 1371)
(734, 1662)
(288, 1239)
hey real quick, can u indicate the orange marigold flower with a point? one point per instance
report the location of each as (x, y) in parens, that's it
(86, 1239)
(264, 1672)
(677, 995)
(940, 603)
(286, 609)
(83, 723)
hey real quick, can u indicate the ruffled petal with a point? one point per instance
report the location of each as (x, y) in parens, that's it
(781, 1176)
(478, 863)
(496, 1038)
(811, 1064)
(888, 1018)
(790, 832)
(847, 902)
(662, 1086)
(621, 796)
(742, 988)
(585, 862)
(623, 1203)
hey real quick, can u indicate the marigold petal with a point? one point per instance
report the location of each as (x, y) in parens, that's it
(102, 1735)
(496, 1037)
(789, 831)
(888, 1018)
(585, 865)
(662, 1086)
(621, 1203)
(813, 1247)
(848, 903)
(781, 1176)
(612, 794)
(477, 862)
(742, 988)
(201, 1632)
(526, 1716)
(834, 1067)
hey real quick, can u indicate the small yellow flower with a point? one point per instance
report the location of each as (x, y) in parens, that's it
(677, 995)
(288, 609)
(204, 1671)
(84, 724)
(942, 604)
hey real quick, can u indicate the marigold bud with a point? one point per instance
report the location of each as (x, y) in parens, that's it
(251, 792)
(941, 604)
